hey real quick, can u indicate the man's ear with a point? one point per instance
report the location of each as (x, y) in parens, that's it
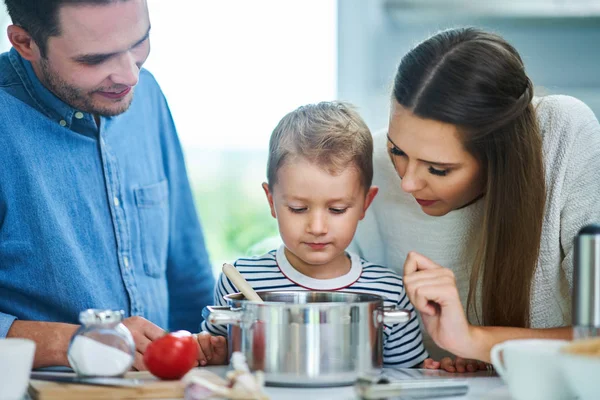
(371, 193)
(265, 187)
(22, 41)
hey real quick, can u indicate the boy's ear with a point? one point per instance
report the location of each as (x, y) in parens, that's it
(265, 186)
(371, 193)
(22, 41)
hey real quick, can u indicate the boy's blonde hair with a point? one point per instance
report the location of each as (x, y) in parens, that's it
(330, 134)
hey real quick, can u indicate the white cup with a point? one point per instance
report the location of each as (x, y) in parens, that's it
(16, 360)
(531, 369)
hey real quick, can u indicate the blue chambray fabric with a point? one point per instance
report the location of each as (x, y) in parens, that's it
(95, 216)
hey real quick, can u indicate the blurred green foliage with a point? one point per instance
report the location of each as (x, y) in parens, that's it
(233, 209)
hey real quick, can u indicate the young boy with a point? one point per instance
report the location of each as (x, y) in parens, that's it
(319, 186)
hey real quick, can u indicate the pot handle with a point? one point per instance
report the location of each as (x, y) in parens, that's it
(222, 315)
(393, 316)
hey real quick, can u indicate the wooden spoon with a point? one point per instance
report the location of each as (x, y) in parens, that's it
(243, 286)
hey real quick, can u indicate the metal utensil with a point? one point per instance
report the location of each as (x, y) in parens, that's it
(238, 280)
(586, 283)
(66, 377)
(380, 387)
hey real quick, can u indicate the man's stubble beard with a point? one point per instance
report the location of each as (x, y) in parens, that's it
(76, 97)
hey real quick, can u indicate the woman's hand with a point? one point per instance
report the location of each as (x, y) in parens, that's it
(432, 291)
(455, 365)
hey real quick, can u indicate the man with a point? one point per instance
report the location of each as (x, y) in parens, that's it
(96, 209)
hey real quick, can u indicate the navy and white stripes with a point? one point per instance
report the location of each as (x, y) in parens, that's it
(403, 346)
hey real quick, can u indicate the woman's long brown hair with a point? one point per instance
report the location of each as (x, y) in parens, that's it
(476, 81)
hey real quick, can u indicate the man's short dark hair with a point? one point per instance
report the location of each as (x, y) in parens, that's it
(40, 17)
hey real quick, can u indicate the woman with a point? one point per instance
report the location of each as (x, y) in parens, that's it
(482, 190)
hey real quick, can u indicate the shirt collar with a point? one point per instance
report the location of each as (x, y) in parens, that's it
(307, 282)
(47, 102)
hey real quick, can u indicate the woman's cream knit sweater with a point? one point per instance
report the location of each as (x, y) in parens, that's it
(395, 224)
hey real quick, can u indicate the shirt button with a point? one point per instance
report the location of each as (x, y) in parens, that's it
(62, 122)
(126, 261)
(78, 115)
(116, 202)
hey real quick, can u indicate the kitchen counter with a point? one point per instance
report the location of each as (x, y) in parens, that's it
(482, 385)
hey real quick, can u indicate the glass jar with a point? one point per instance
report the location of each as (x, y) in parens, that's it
(102, 346)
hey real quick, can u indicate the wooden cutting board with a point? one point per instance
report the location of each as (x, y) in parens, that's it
(152, 388)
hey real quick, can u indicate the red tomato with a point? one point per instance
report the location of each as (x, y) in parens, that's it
(172, 356)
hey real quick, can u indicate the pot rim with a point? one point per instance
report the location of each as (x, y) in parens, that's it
(369, 298)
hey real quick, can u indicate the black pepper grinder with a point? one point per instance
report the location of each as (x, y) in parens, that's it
(586, 283)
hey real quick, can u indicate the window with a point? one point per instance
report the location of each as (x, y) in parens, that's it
(230, 70)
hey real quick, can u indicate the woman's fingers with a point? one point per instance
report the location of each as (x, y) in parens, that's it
(420, 276)
(417, 262)
(432, 291)
(469, 365)
(430, 363)
(447, 364)
(428, 274)
(428, 299)
(437, 281)
(419, 293)
(475, 365)
(460, 364)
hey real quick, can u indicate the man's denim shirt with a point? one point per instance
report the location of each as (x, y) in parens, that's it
(95, 217)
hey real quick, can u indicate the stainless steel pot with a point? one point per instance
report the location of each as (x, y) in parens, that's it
(302, 338)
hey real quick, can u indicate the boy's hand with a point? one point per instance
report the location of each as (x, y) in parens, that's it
(213, 349)
(457, 365)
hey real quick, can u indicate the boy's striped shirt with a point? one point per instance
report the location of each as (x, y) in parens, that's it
(403, 346)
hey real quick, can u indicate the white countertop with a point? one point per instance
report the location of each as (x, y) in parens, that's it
(482, 385)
